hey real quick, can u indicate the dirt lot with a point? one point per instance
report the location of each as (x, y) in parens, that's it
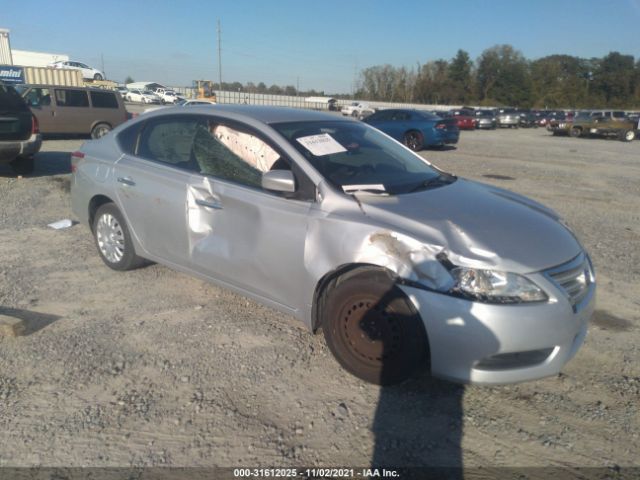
(152, 367)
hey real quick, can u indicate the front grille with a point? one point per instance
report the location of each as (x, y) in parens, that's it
(574, 278)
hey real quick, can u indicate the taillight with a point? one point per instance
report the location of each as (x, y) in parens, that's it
(35, 126)
(441, 126)
(75, 158)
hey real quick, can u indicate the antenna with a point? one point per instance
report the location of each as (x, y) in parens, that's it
(219, 57)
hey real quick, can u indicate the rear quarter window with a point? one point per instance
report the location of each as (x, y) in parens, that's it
(128, 138)
(104, 100)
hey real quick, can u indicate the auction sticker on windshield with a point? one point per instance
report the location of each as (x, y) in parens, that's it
(319, 145)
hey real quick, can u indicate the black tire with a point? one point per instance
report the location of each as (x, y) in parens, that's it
(373, 330)
(414, 140)
(100, 130)
(627, 135)
(23, 165)
(575, 132)
(355, 114)
(116, 250)
(98, 77)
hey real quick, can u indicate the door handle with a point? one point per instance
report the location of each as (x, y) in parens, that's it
(209, 204)
(126, 181)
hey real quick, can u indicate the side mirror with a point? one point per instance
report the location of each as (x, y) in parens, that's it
(279, 181)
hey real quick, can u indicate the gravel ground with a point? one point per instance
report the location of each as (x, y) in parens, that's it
(153, 367)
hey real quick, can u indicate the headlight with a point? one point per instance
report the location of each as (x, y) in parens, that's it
(492, 286)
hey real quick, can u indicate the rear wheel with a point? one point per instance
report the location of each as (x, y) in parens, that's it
(354, 114)
(575, 132)
(23, 165)
(97, 77)
(627, 135)
(373, 330)
(100, 130)
(113, 239)
(414, 140)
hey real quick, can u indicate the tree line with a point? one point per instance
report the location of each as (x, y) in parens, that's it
(501, 75)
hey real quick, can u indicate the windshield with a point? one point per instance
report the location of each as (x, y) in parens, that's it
(353, 156)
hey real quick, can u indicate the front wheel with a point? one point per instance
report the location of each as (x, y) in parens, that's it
(113, 239)
(414, 141)
(97, 77)
(575, 132)
(373, 330)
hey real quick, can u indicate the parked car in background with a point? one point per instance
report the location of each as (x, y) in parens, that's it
(486, 119)
(417, 129)
(403, 266)
(167, 95)
(464, 119)
(20, 137)
(142, 96)
(122, 91)
(528, 120)
(508, 117)
(75, 110)
(88, 73)
(603, 126)
(357, 110)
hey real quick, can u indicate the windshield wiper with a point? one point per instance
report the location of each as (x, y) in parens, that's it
(442, 179)
(377, 188)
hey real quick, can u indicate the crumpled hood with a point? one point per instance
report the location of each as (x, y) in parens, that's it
(479, 225)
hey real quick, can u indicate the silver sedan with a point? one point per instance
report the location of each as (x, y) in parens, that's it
(404, 267)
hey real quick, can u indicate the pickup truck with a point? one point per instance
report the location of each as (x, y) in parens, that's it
(623, 129)
(358, 110)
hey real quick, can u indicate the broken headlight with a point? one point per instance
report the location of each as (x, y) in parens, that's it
(491, 286)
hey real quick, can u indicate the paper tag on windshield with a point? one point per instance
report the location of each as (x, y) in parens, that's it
(319, 145)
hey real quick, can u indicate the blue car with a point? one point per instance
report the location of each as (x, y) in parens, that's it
(415, 128)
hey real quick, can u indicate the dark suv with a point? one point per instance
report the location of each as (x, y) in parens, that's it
(20, 137)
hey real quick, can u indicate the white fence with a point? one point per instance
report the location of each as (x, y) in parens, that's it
(240, 97)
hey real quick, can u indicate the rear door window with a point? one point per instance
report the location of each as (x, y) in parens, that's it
(71, 98)
(169, 140)
(104, 100)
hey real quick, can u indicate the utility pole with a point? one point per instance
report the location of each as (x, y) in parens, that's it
(297, 86)
(102, 62)
(219, 57)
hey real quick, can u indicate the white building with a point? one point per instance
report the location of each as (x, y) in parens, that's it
(10, 56)
(36, 59)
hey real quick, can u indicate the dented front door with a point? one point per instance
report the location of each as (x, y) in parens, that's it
(249, 238)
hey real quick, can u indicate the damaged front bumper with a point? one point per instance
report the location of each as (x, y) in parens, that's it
(480, 343)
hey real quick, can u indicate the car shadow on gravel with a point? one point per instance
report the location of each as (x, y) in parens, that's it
(418, 424)
(33, 321)
(46, 164)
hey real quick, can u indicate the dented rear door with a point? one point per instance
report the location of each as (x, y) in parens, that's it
(152, 197)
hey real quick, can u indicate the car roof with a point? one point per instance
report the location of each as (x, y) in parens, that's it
(265, 114)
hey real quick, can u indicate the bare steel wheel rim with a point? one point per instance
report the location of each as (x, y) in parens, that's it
(372, 332)
(629, 136)
(110, 238)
